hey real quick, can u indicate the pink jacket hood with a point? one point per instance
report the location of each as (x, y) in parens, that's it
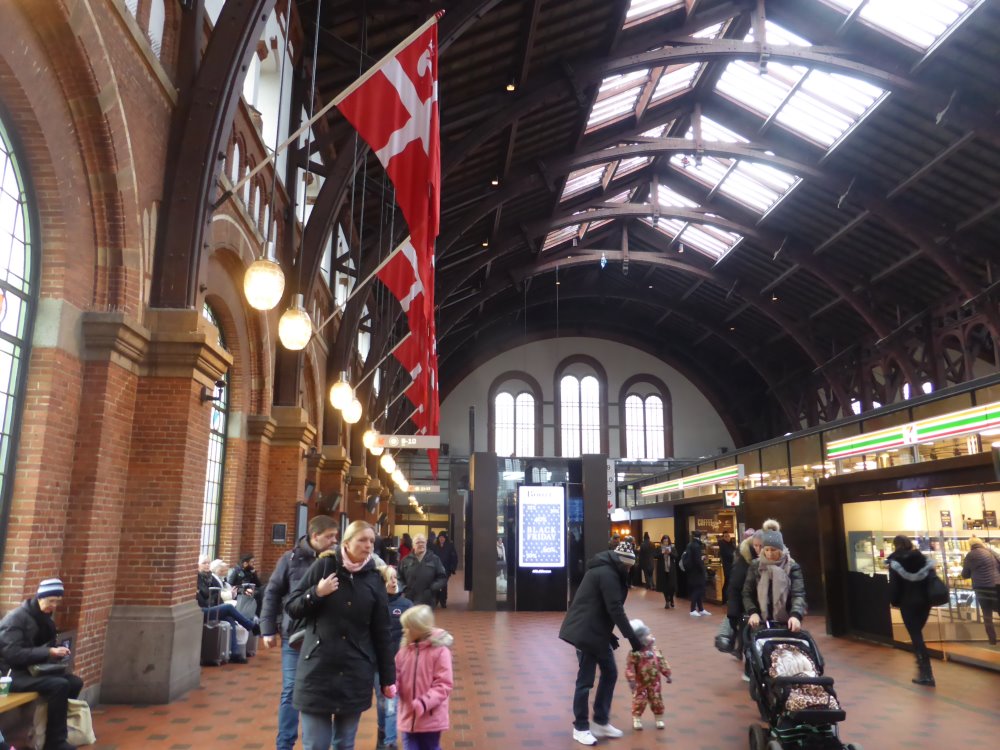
(424, 682)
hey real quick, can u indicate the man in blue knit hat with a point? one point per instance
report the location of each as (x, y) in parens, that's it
(29, 652)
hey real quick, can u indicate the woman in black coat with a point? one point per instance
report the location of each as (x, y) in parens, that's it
(696, 574)
(666, 570)
(343, 601)
(908, 574)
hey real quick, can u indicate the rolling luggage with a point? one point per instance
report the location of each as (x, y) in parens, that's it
(215, 640)
(252, 645)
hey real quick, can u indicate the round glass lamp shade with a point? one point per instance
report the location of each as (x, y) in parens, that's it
(400, 479)
(387, 462)
(341, 394)
(263, 284)
(412, 499)
(295, 327)
(376, 450)
(369, 438)
(352, 412)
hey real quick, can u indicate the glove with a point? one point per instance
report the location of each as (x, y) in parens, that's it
(614, 642)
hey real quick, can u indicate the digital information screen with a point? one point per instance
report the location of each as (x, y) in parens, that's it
(541, 524)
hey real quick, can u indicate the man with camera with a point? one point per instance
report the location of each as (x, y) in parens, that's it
(245, 581)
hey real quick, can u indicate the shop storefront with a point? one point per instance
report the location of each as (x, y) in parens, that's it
(943, 507)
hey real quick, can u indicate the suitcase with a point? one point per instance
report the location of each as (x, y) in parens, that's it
(215, 644)
(239, 656)
(252, 645)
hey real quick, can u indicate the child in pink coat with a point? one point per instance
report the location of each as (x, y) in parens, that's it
(643, 670)
(424, 680)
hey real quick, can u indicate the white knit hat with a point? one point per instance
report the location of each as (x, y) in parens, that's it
(49, 587)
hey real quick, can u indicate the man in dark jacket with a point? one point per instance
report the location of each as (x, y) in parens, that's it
(28, 637)
(448, 555)
(693, 563)
(421, 574)
(245, 581)
(727, 555)
(646, 551)
(599, 605)
(274, 623)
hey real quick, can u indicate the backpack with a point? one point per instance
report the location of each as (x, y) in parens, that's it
(684, 561)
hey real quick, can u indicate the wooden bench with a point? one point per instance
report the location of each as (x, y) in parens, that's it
(17, 718)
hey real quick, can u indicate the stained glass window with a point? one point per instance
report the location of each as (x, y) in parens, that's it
(17, 305)
(215, 470)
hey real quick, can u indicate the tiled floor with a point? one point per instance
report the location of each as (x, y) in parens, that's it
(514, 685)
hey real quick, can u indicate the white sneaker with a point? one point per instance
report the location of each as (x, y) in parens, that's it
(584, 737)
(660, 724)
(705, 613)
(605, 730)
(636, 722)
(746, 677)
(694, 614)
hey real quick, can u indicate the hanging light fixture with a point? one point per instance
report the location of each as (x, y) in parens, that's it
(295, 327)
(341, 392)
(376, 450)
(264, 282)
(400, 479)
(353, 412)
(369, 438)
(387, 462)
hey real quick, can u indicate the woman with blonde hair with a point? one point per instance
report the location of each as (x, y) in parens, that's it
(343, 601)
(423, 665)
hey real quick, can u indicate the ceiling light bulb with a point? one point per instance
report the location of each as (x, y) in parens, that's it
(376, 450)
(397, 476)
(486, 243)
(387, 462)
(412, 499)
(495, 181)
(295, 327)
(341, 392)
(263, 284)
(353, 412)
(511, 86)
(369, 438)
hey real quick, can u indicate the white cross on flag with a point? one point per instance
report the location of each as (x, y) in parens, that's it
(396, 111)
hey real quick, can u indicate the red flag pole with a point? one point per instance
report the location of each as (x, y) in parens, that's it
(359, 285)
(389, 354)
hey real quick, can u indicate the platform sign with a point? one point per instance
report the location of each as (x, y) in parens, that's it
(419, 442)
(541, 518)
(945, 519)
(417, 489)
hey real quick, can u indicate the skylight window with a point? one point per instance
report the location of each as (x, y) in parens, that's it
(617, 98)
(582, 180)
(627, 166)
(560, 236)
(641, 11)
(675, 80)
(820, 107)
(918, 23)
(709, 240)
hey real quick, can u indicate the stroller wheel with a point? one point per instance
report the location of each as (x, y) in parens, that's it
(758, 737)
(774, 745)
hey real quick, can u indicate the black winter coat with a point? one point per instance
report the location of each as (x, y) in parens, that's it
(26, 635)
(599, 605)
(796, 604)
(908, 574)
(448, 556)
(238, 576)
(204, 594)
(646, 552)
(422, 579)
(666, 579)
(347, 639)
(291, 568)
(694, 564)
(398, 604)
(737, 577)
(727, 554)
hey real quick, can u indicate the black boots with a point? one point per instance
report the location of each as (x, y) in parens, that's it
(924, 674)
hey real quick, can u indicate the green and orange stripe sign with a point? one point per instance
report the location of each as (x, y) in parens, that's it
(965, 422)
(726, 474)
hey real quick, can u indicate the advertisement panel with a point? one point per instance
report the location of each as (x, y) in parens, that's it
(541, 519)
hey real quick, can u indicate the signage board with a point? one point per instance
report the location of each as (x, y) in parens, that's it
(541, 525)
(945, 519)
(732, 498)
(612, 486)
(416, 489)
(394, 442)
(716, 476)
(990, 519)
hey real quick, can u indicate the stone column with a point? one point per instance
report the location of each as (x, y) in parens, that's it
(332, 479)
(260, 432)
(154, 630)
(357, 489)
(286, 480)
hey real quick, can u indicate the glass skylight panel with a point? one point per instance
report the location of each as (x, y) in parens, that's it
(627, 166)
(710, 32)
(675, 80)
(762, 94)
(560, 235)
(644, 10)
(919, 23)
(582, 180)
(710, 240)
(613, 108)
(667, 196)
(758, 186)
(827, 105)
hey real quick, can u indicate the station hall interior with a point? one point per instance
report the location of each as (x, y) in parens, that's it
(694, 264)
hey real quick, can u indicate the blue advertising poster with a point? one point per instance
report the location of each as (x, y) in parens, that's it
(541, 519)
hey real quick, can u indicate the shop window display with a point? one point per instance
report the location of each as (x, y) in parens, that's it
(942, 526)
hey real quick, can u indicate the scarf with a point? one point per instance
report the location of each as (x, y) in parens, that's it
(667, 550)
(46, 625)
(353, 567)
(773, 587)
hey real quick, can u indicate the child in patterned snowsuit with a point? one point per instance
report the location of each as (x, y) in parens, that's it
(643, 672)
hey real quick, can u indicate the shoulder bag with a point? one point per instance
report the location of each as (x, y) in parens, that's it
(48, 669)
(937, 590)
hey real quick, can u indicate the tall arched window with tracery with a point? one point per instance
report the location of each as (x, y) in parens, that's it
(514, 424)
(211, 508)
(644, 427)
(580, 415)
(18, 297)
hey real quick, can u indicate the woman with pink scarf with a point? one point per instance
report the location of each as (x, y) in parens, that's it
(344, 604)
(774, 589)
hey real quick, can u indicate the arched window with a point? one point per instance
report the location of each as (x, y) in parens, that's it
(215, 470)
(18, 296)
(644, 427)
(580, 415)
(514, 424)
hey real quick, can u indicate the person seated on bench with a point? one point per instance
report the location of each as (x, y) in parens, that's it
(226, 611)
(28, 638)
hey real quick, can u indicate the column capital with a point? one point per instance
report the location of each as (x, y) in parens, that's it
(261, 427)
(292, 426)
(336, 459)
(111, 336)
(358, 477)
(184, 344)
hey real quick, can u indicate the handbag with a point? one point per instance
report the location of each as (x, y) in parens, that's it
(79, 723)
(937, 591)
(47, 670)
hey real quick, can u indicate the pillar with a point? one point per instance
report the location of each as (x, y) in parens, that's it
(333, 478)
(357, 488)
(483, 527)
(255, 534)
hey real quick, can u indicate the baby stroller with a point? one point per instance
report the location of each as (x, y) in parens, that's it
(794, 697)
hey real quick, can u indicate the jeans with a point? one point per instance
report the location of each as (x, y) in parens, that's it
(914, 619)
(288, 716)
(421, 741)
(386, 723)
(697, 594)
(55, 691)
(987, 599)
(585, 681)
(228, 613)
(322, 731)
